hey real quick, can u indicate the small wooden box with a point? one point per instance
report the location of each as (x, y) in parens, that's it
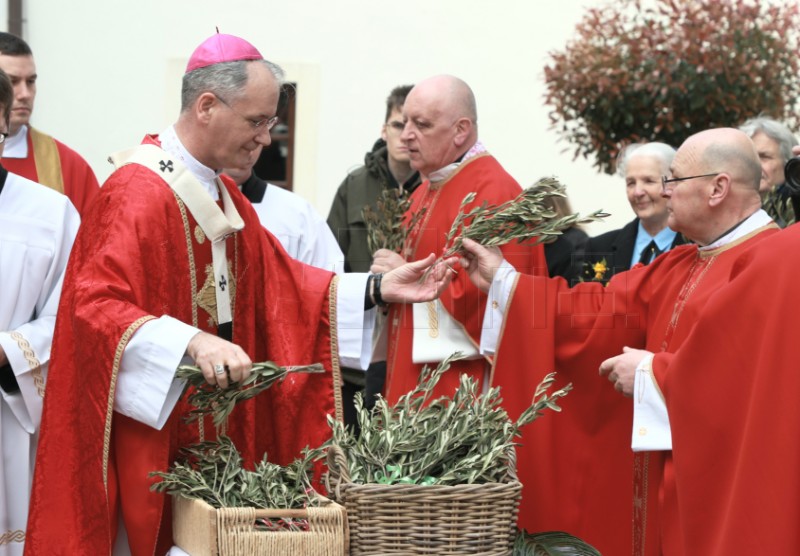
(202, 530)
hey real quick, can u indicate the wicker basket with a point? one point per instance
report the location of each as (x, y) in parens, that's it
(426, 519)
(202, 530)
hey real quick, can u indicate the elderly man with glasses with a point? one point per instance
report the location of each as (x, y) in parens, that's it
(584, 484)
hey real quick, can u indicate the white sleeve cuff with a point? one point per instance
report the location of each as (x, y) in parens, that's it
(146, 387)
(16, 357)
(353, 324)
(499, 292)
(651, 430)
(27, 404)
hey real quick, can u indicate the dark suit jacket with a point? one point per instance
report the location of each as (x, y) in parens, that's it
(560, 253)
(616, 247)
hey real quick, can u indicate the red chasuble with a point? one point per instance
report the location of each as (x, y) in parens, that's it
(577, 466)
(140, 255)
(52, 163)
(732, 392)
(463, 301)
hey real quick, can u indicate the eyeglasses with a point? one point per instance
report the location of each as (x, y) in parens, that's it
(665, 180)
(266, 123)
(395, 126)
(3, 137)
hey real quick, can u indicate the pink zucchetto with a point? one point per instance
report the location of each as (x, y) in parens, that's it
(220, 48)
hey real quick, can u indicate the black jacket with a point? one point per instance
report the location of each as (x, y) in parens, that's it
(615, 247)
(362, 187)
(560, 253)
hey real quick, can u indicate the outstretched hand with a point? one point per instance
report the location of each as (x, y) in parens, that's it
(413, 283)
(481, 263)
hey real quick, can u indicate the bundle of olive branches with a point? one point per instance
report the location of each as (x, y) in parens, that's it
(465, 439)
(525, 217)
(221, 401)
(213, 472)
(385, 225)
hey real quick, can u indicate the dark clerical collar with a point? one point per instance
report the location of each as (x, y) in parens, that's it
(254, 188)
(3, 176)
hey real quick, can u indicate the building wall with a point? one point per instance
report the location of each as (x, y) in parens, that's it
(110, 72)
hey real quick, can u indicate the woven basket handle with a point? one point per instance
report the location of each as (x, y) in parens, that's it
(338, 472)
(512, 464)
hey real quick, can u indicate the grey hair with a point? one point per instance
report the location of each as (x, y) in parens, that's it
(226, 80)
(773, 129)
(663, 152)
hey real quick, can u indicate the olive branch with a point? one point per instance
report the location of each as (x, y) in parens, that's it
(221, 401)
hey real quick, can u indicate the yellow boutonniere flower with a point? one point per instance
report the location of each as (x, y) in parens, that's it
(600, 269)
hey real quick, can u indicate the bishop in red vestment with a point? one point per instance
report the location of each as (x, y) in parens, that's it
(577, 468)
(168, 255)
(93, 463)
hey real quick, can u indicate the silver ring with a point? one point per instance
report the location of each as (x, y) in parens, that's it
(219, 369)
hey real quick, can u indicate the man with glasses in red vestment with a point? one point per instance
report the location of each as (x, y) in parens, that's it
(578, 466)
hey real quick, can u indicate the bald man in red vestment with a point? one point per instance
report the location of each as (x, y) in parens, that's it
(577, 467)
(441, 135)
(731, 392)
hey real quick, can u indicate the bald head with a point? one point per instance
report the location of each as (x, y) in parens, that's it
(716, 174)
(441, 122)
(726, 150)
(448, 94)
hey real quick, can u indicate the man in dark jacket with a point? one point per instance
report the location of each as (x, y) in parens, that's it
(385, 166)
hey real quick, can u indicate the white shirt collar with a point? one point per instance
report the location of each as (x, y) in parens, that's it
(205, 175)
(756, 220)
(16, 146)
(443, 173)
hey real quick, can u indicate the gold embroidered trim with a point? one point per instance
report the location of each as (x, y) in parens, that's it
(641, 464)
(33, 362)
(683, 297)
(199, 235)
(415, 234)
(337, 371)
(190, 253)
(123, 342)
(233, 274)
(12, 536)
(433, 319)
(192, 280)
(732, 244)
(47, 160)
(206, 298)
(493, 360)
